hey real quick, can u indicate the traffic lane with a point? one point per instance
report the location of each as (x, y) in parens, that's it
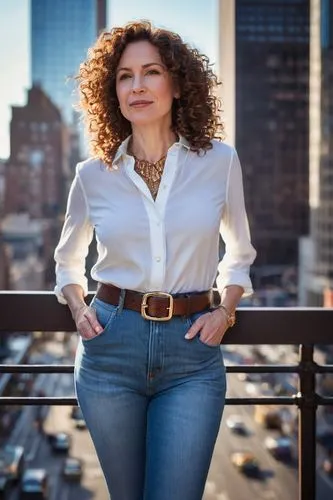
(92, 482)
(25, 432)
(58, 420)
(236, 388)
(281, 480)
(274, 484)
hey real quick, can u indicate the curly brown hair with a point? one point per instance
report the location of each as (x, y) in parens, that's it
(195, 115)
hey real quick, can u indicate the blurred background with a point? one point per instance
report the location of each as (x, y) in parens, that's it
(275, 58)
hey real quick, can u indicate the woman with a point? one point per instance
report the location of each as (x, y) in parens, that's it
(149, 373)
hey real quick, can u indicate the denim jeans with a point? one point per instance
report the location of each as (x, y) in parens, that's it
(152, 401)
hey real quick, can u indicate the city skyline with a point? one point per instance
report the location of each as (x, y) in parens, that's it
(55, 25)
(15, 53)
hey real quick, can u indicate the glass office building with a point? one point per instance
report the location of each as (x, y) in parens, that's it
(61, 33)
(272, 87)
(320, 280)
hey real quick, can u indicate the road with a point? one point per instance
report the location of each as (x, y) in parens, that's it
(224, 481)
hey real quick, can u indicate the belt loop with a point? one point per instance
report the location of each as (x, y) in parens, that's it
(121, 300)
(188, 302)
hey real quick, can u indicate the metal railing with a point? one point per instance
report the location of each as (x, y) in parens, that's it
(305, 327)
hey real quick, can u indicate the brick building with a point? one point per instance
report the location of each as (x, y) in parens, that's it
(38, 164)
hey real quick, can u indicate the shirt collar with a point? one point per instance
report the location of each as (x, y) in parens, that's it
(122, 150)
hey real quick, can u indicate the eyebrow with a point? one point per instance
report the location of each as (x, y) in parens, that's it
(143, 66)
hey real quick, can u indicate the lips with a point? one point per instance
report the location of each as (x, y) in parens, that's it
(139, 104)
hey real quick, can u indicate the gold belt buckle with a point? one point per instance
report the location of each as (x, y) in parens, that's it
(144, 305)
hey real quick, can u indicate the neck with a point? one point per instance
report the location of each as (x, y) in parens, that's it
(151, 145)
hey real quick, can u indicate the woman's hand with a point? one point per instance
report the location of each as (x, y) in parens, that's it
(86, 321)
(212, 327)
(84, 316)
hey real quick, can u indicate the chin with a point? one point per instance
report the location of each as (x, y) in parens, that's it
(141, 121)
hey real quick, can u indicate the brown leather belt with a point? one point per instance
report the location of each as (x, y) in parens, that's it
(157, 306)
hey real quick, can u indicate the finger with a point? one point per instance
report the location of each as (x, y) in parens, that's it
(90, 315)
(212, 329)
(85, 329)
(195, 328)
(208, 333)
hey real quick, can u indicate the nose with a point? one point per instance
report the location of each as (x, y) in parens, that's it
(137, 87)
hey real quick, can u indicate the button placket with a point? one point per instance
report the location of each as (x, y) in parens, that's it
(158, 251)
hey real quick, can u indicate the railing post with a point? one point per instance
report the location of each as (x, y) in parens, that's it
(307, 407)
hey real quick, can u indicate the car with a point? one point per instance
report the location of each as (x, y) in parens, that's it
(12, 462)
(34, 485)
(73, 468)
(246, 462)
(237, 425)
(60, 442)
(250, 377)
(77, 415)
(280, 447)
(327, 465)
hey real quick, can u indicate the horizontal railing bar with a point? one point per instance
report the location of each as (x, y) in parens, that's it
(44, 368)
(262, 368)
(255, 325)
(327, 401)
(276, 401)
(37, 401)
(68, 400)
(296, 399)
(324, 368)
(55, 368)
(36, 368)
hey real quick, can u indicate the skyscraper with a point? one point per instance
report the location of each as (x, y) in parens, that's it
(319, 282)
(61, 33)
(272, 84)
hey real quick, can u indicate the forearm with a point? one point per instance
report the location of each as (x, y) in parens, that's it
(231, 296)
(75, 297)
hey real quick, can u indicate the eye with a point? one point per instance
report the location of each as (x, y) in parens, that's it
(124, 76)
(153, 72)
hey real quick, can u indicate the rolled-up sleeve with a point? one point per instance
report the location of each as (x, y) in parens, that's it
(72, 249)
(234, 268)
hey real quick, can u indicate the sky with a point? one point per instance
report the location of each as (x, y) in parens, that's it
(194, 20)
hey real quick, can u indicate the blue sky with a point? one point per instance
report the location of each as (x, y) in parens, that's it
(194, 20)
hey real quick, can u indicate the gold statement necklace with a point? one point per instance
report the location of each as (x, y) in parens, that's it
(151, 172)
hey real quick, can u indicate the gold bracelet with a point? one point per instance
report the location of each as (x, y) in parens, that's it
(231, 316)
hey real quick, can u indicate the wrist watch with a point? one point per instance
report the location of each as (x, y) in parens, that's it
(231, 316)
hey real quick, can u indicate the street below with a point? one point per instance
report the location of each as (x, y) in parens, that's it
(278, 480)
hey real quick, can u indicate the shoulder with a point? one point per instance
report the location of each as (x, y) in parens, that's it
(89, 166)
(220, 155)
(91, 169)
(222, 150)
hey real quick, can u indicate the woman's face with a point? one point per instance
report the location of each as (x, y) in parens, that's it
(144, 87)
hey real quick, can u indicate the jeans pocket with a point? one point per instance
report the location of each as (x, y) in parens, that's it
(201, 342)
(106, 314)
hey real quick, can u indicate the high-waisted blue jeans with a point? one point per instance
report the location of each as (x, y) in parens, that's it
(152, 401)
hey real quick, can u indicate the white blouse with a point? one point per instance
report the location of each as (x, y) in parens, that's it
(170, 244)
